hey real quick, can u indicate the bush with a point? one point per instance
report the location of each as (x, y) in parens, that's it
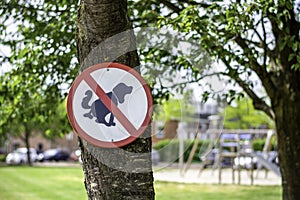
(2, 157)
(258, 144)
(168, 149)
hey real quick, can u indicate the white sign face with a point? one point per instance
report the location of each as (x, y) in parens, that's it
(109, 105)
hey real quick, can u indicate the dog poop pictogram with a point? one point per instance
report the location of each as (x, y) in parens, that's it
(98, 110)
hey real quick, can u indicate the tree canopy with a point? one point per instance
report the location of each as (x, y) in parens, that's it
(260, 37)
(242, 115)
(37, 63)
(41, 36)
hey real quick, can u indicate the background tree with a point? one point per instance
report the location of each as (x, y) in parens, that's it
(37, 63)
(180, 108)
(242, 115)
(249, 37)
(28, 111)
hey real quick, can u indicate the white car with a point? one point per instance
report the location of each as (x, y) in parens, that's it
(19, 156)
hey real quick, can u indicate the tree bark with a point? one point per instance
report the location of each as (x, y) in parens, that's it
(103, 35)
(27, 144)
(286, 105)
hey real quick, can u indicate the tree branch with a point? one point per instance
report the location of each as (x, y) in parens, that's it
(264, 41)
(204, 5)
(30, 7)
(284, 25)
(258, 103)
(170, 5)
(198, 79)
(177, 9)
(256, 67)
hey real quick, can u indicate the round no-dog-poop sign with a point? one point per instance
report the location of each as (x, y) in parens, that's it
(109, 105)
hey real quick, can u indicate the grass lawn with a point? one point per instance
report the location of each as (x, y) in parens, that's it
(47, 183)
(41, 183)
(175, 191)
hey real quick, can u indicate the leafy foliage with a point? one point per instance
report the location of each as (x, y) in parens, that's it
(250, 38)
(244, 116)
(168, 149)
(258, 144)
(170, 61)
(181, 109)
(40, 43)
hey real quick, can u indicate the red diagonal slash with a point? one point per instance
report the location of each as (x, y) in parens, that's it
(110, 105)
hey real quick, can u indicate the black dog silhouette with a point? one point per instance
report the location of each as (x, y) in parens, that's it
(99, 110)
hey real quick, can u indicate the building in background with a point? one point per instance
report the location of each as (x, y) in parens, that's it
(199, 121)
(68, 142)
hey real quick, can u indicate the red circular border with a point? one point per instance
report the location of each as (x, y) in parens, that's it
(85, 135)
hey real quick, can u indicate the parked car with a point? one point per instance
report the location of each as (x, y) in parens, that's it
(56, 155)
(19, 156)
(154, 157)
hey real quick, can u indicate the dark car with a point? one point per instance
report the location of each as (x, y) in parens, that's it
(56, 155)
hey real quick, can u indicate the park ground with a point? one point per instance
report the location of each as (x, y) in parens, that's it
(173, 173)
(66, 182)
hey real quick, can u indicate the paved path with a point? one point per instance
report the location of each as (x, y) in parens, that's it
(210, 176)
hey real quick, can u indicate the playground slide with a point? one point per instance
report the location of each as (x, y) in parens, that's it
(266, 163)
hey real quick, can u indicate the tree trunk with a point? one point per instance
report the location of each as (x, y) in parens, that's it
(27, 144)
(118, 173)
(286, 106)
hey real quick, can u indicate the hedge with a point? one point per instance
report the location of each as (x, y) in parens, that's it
(258, 144)
(168, 149)
(2, 157)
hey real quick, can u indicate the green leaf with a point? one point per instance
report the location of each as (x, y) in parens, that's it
(295, 46)
(296, 66)
(291, 56)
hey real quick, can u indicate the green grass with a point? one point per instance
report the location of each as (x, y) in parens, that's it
(175, 191)
(41, 183)
(52, 183)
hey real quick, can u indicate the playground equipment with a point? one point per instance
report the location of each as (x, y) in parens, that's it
(231, 146)
(236, 146)
(213, 133)
(263, 159)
